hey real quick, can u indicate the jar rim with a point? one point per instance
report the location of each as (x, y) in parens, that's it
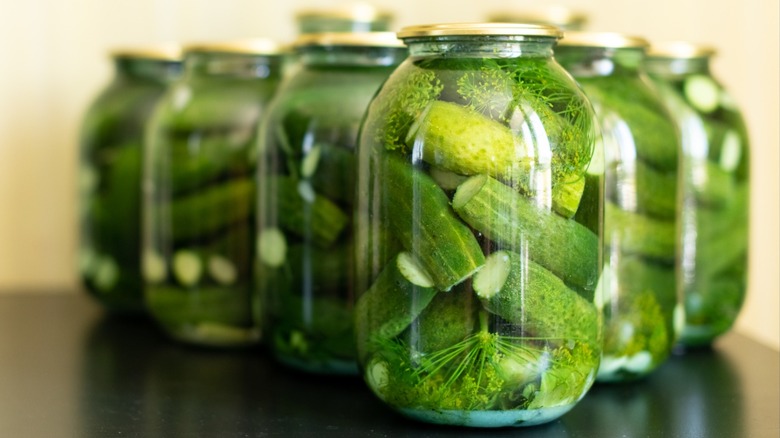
(680, 50)
(250, 46)
(354, 39)
(360, 11)
(556, 15)
(610, 40)
(167, 51)
(480, 28)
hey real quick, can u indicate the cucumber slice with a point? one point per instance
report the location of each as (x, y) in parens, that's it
(306, 191)
(702, 93)
(154, 267)
(272, 247)
(524, 293)
(106, 273)
(187, 267)
(310, 162)
(445, 179)
(412, 271)
(730, 152)
(222, 270)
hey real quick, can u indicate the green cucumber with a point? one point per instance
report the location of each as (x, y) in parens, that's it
(334, 176)
(702, 93)
(656, 192)
(420, 217)
(221, 269)
(636, 275)
(563, 246)
(590, 213)
(175, 306)
(271, 247)
(448, 319)
(206, 212)
(464, 141)
(524, 293)
(712, 185)
(447, 180)
(321, 272)
(187, 267)
(634, 233)
(155, 267)
(226, 105)
(717, 253)
(305, 213)
(398, 296)
(203, 159)
(375, 247)
(323, 317)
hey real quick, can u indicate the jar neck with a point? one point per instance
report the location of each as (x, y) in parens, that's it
(600, 61)
(670, 67)
(482, 46)
(147, 69)
(352, 56)
(232, 65)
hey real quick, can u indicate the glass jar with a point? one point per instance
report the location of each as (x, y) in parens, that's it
(476, 283)
(199, 193)
(307, 171)
(716, 188)
(554, 15)
(110, 175)
(355, 17)
(639, 293)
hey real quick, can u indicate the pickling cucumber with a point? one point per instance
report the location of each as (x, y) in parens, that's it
(174, 306)
(716, 253)
(321, 272)
(420, 217)
(634, 233)
(524, 293)
(334, 174)
(656, 192)
(712, 185)
(303, 212)
(203, 213)
(590, 213)
(448, 319)
(563, 246)
(402, 290)
(464, 141)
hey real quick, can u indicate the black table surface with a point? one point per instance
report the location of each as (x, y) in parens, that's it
(67, 369)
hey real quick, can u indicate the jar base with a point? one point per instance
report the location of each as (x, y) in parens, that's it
(493, 418)
(214, 335)
(333, 367)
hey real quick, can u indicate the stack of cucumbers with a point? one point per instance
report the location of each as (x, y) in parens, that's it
(200, 199)
(716, 201)
(476, 278)
(110, 180)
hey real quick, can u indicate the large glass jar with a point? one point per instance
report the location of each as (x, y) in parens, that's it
(716, 190)
(199, 193)
(475, 280)
(553, 15)
(307, 194)
(355, 17)
(639, 291)
(110, 175)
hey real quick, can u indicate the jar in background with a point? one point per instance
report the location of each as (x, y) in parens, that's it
(554, 15)
(355, 17)
(476, 282)
(199, 193)
(639, 290)
(716, 188)
(110, 175)
(307, 192)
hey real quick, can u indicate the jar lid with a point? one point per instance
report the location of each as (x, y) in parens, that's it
(474, 29)
(359, 39)
(360, 12)
(157, 52)
(555, 15)
(680, 49)
(254, 46)
(611, 40)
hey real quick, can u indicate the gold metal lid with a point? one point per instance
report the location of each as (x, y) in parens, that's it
(360, 12)
(253, 46)
(358, 39)
(158, 52)
(680, 50)
(474, 29)
(556, 15)
(611, 40)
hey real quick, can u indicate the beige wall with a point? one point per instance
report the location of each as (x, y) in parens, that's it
(52, 63)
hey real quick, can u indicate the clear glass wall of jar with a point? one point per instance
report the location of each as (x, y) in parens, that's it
(110, 175)
(476, 282)
(639, 291)
(355, 17)
(307, 194)
(199, 193)
(716, 189)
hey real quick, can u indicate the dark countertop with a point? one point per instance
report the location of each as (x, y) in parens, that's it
(68, 370)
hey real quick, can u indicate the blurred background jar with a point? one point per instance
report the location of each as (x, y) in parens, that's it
(307, 191)
(553, 15)
(639, 289)
(199, 192)
(349, 17)
(716, 188)
(110, 174)
(475, 280)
